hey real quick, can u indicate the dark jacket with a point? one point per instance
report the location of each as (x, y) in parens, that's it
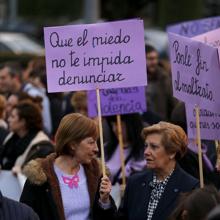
(137, 195)
(42, 193)
(12, 210)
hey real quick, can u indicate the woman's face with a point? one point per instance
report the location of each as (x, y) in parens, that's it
(11, 102)
(86, 150)
(15, 123)
(155, 154)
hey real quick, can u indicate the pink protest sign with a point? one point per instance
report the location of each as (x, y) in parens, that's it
(195, 27)
(102, 55)
(118, 101)
(209, 123)
(195, 72)
(211, 38)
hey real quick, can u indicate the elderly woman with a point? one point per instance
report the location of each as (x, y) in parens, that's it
(64, 185)
(152, 194)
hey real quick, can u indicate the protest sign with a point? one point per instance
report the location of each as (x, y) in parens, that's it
(195, 27)
(195, 72)
(211, 38)
(209, 123)
(9, 185)
(90, 56)
(118, 101)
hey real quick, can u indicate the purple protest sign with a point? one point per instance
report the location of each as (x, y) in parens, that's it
(195, 72)
(117, 101)
(211, 38)
(102, 55)
(195, 27)
(209, 123)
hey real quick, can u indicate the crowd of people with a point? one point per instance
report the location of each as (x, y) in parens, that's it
(51, 141)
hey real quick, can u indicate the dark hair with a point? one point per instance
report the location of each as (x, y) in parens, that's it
(14, 69)
(214, 214)
(39, 73)
(197, 204)
(134, 125)
(178, 115)
(149, 48)
(31, 113)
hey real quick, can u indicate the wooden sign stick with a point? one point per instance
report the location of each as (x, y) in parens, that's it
(101, 132)
(201, 178)
(121, 145)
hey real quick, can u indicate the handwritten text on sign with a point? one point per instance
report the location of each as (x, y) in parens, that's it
(118, 101)
(209, 123)
(195, 71)
(195, 27)
(102, 55)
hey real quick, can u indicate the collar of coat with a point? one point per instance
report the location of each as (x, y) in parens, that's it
(40, 171)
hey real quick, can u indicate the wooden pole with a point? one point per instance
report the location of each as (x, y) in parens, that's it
(199, 147)
(122, 158)
(218, 155)
(101, 132)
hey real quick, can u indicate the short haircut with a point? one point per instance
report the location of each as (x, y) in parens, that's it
(149, 48)
(174, 138)
(73, 128)
(14, 69)
(31, 113)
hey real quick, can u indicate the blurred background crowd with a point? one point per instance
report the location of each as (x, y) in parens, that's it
(29, 115)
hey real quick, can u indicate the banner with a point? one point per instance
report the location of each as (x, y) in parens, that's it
(118, 101)
(209, 123)
(195, 27)
(195, 72)
(90, 56)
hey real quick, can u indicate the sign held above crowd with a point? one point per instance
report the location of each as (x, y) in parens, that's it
(90, 56)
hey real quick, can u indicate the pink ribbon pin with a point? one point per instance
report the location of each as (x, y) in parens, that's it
(71, 182)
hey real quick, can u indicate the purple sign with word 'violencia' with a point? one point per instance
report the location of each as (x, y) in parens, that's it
(117, 101)
(90, 56)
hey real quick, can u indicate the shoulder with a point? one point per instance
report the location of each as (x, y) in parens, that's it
(34, 171)
(21, 210)
(140, 176)
(186, 179)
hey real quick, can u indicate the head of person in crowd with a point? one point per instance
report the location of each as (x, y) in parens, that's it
(132, 126)
(3, 123)
(38, 77)
(76, 137)
(165, 144)
(214, 213)
(10, 77)
(79, 102)
(196, 204)
(25, 117)
(14, 98)
(2, 106)
(33, 64)
(73, 171)
(152, 58)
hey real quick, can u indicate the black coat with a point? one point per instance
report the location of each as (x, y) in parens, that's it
(42, 193)
(137, 195)
(12, 210)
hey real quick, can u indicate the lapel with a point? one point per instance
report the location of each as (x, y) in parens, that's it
(142, 191)
(170, 194)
